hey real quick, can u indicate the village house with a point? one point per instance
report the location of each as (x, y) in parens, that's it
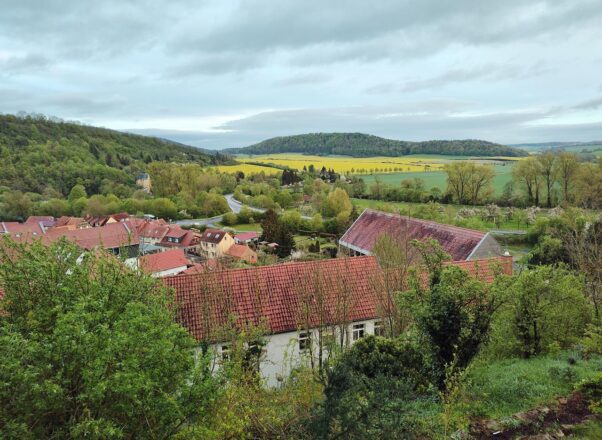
(242, 252)
(303, 308)
(459, 243)
(143, 180)
(250, 237)
(176, 237)
(162, 264)
(102, 220)
(214, 243)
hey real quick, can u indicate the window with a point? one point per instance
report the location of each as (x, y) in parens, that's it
(358, 331)
(304, 341)
(225, 352)
(379, 328)
(209, 235)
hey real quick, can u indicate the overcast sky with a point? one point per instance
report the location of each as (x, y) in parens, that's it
(230, 73)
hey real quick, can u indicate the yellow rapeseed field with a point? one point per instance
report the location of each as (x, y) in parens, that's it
(346, 164)
(247, 169)
(351, 165)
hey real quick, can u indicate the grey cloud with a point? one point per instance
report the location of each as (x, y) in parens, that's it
(590, 104)
(84, 104)
(30, 63)
(341, 31)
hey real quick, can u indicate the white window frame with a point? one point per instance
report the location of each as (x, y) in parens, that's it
(358, 331)
(304, 341)
(379, 328)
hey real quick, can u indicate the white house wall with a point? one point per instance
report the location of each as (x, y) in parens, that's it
(282, 354)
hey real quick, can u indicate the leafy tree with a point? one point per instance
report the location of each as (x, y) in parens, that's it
(77, 192)
(545, 305)
(337, 202)
(373, 390)
(454, 317)
(469, 182)
(91, 350)
(229, 219)
(270, 226)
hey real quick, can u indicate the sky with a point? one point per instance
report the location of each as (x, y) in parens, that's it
(227, 73)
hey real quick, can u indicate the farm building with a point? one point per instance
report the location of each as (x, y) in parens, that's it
(459, 243)
(299, 306)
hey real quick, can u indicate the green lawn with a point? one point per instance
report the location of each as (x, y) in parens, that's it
(244, 227)
(499, 389)
(438, 178)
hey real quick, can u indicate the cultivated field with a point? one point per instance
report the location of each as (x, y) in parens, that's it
(246, 168)
(352, 165)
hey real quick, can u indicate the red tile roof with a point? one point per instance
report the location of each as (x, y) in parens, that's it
(170, 259)
(245, 236)
(16, 229)
(274, 294)
(187, 238)
(277, 295)
(238, 250)
(156, 229)
(362, 235)
(109, 236)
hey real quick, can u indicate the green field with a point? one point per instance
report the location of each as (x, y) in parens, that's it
(438, 178)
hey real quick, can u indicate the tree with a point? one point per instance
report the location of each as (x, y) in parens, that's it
(469, 182)
(545, 306)
(454, 317)
(270, 226)
(526, 174)
(547, 165)
(566, 168)
(17, 206)
(371, 389)
(337, 202)
(91, 350)
(77, 192)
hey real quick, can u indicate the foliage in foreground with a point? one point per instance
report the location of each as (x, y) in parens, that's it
(90, 349)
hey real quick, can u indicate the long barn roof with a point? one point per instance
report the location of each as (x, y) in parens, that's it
(363, 234)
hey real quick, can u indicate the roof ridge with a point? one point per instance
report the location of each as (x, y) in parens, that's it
(278, 265)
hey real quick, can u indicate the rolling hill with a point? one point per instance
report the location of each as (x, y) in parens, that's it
(364, 145)
(48, 156)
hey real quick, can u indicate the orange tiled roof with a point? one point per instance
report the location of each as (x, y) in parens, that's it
(161, 261)
(277, 295)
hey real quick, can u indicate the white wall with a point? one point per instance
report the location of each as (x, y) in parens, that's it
(168, 272)
(282, 354)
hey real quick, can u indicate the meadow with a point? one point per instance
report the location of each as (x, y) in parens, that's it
(503, 174)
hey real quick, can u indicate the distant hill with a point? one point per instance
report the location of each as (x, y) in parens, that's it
(44, 155)
(364, 145)
(561, 146)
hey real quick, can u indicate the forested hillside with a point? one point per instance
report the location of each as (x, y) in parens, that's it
(47, 156)
(364, 145)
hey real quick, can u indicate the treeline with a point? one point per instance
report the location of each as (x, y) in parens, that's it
(180, 191)
(545, 180)
(48, 156)
(364, 145)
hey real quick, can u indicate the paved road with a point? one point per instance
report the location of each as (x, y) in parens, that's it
(234, 205)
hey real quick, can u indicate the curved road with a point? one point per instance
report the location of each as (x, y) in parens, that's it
(234, 205)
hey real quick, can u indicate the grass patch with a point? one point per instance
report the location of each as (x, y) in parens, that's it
(502, 388)
(245, 227)
(438, 179)
(587, 431)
